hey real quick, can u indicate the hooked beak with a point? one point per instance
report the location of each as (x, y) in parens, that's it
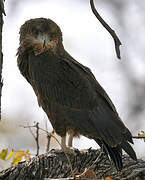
(43, 39)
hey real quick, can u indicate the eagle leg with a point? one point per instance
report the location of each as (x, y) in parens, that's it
(65, 148)
(63, 142)
(70, 140)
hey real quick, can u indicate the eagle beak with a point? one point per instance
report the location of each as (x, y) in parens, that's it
(44, 42)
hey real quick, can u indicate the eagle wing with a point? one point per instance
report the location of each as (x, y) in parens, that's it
(96, 86)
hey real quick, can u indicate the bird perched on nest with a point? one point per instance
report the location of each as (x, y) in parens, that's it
(68, 92)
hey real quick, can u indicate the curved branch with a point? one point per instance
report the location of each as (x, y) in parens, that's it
(108, 28)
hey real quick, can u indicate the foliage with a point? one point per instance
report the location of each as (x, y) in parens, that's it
(17, 156)
(142, 134)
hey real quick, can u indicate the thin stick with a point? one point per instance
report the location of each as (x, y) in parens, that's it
(37, 138)
(96, 161)
(138, 137)
(89, 168)
(108, 28)
(31, 132)
(50, 134)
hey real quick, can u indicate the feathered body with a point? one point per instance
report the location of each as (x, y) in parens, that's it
(68, 92)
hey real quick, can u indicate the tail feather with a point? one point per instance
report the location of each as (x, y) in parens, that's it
(114, 153)
(128, 149)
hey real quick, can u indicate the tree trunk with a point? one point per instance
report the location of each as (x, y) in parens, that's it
(55, 165)
(1, 55)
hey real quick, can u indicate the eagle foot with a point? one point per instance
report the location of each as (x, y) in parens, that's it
(68, 150)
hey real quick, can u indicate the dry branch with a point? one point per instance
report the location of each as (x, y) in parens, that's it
(37, 138)
(108, 28)
(50, 135)
(54, 165)
(138, 137)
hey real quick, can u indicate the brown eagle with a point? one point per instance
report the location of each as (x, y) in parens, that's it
(68, 92)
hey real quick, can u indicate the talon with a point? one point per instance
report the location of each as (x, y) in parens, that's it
(69, 150)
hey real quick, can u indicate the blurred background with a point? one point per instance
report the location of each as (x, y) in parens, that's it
(89, 43)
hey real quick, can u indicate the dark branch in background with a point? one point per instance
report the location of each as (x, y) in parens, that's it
(108, 28)
(2, 11)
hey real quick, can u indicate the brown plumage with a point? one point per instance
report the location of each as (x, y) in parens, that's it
(68, 92)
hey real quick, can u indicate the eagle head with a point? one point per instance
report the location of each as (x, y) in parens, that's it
(40, 35)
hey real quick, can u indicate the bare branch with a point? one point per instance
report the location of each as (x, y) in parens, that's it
(108, 28)
(37, 138)
(138, 137)
(51, 135)
(31, 132)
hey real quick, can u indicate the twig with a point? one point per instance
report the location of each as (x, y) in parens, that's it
(50, 134)
(138, 137)
(95, 162)
(28, 126)
(36, 137)
(87, 170)
(108, 28)
(31, 132)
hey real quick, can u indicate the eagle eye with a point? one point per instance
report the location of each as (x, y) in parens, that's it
(36, 32)
(53, 35)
